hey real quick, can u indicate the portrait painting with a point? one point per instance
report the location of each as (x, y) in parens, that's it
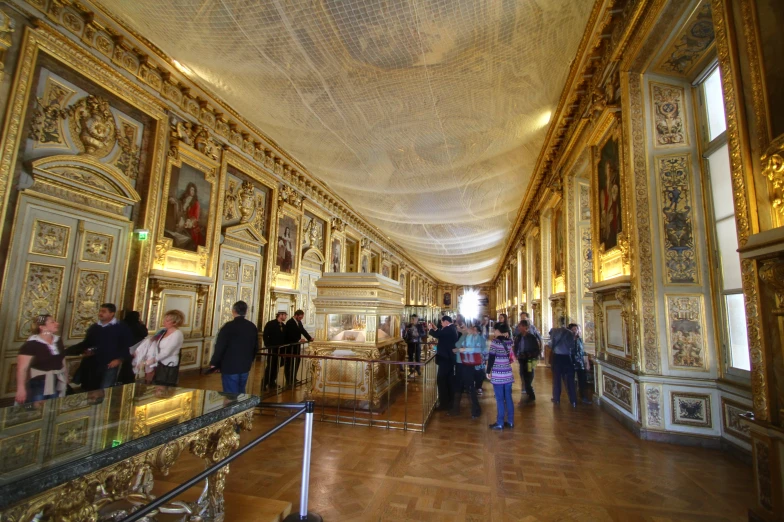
(336, 252)
(559, 243)
(188, 207)
(287, 244)
(447, 299)
(385, 271)
(365, 264)
(609, 185)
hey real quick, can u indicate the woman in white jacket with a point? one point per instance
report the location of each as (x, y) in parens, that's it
(159, 354)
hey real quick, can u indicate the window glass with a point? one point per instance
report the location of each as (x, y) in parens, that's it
(721, 183)
(726, 234)
(714, 102)
(739, 342)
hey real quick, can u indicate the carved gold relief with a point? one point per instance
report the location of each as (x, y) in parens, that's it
(129, 154)
(618, 391)
(248, 273)
(773, 169)
(228, 298)
(41, 293)
(90, 292)
(771, 272)
(231, 271)
(644, 252)
(46, 124)
(50, 239)
(92, 125)
(97, 248)
(197, 136)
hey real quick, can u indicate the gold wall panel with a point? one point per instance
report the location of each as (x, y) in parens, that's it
(41, 293)
(71, 436)
(189, 355)
(49, 239)
(228, 298)
(89, 293)
(19, 451)
(96, 248)
(731, 412)
(618, 391)
(231, 270)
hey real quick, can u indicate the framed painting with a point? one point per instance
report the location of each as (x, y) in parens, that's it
(287, 241)
(186, 233)
(559, 242)
(365, 266)
(609, 201)
(336, 255)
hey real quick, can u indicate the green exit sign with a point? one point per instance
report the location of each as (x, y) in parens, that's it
(116, 443)
(142, 234)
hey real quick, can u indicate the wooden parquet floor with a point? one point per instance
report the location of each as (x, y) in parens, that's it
(558, 463)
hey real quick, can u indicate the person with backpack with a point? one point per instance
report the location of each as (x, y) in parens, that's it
(561, 342)
(528, 348)
(499, 370)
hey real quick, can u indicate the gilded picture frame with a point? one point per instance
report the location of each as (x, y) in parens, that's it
(180, 246)
(608, 199)
(287, 216)
(336, 259)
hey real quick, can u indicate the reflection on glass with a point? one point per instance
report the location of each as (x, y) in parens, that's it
(346, 327)
(37, 437)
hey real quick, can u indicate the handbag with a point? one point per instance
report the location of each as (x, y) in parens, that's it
(166, 375)
(471, 358)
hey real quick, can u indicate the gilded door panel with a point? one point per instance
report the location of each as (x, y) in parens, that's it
(96, 274)
(237, 280)
(41, 293)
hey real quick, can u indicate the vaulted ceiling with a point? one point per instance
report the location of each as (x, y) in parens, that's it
(427, 116)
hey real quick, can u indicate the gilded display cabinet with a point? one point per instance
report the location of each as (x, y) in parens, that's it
(358, 319)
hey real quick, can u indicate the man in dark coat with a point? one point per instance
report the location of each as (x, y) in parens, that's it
(294, 334)
(445, 359)
(105, 348)
(274, 336)
(235, 349)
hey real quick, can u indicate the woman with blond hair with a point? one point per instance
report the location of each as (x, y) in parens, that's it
(159, 355)
(40, 366)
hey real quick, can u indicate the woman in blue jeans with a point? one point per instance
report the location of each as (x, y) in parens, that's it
(499, 371)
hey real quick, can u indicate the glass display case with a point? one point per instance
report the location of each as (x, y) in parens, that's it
(352, 328)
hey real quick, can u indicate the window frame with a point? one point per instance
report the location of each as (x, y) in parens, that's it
(708, 147)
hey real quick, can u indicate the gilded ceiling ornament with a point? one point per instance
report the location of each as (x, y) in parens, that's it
(92, 125)
(195, 135)
(338, 225)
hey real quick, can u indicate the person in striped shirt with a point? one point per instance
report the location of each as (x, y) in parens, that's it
(499, 371)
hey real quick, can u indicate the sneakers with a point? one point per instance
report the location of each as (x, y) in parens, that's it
(508, 425)
(496, 426)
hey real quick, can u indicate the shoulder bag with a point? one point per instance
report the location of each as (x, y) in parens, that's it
(167, 375)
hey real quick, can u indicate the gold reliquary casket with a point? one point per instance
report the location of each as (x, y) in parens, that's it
(358, 318)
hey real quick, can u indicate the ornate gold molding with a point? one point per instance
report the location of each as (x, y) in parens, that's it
(771, 272)
(773, 169)
(743, 190)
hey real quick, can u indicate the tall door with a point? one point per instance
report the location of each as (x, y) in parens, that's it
(307, 286)
(65, 263)
(237, 281)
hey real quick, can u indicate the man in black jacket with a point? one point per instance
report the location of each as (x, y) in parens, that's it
(445, 359)
(294, 333)
(528, 349)
(274, 336)
(105, 347)
(235, 349)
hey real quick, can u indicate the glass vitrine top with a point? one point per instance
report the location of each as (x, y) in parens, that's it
(51, 442)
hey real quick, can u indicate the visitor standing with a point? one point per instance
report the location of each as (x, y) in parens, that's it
(105, 348)
(41, 372)
(468, 356)
(445, 359)
(528, 348)
(274, 336)
(561, 343)
(581, 363)
(159, 355)
(499, 371)
(294, 337)
(235, 349)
